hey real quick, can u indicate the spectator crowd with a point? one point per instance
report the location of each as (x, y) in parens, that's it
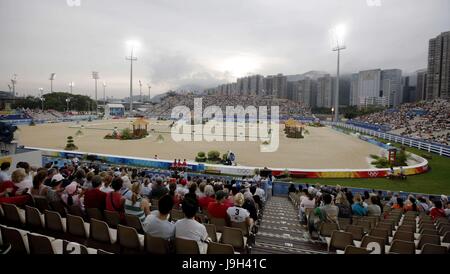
(132, 191)
(427, 120)
(319, 204)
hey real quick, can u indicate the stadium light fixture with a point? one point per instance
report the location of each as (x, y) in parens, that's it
(52, 78)
(71, 85)
(338, 34)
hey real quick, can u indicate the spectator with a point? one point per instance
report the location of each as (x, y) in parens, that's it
(345, 210)
(156, 224)
(423, 205)
(106, 184)
(71, 196)
(201, 191)
(192, 191)
(238, 214)
(306, 205)
(329, 211)
(39, 189)
(188, 228)
(56, 189)
(260, 192)
(94, 197)
(88, 182)
(357, 208)
(158, 189)
(250, 205)
(373, 209)
(291, 188)
(207, 198)
(137, 205)
(114, 200)
(27, 168)
(218, 209)
(398, 204)
(410, 205)
(80, 177)
(146, 189)
(437, 211)
(447, 210)
(4, 176)
(174, 195)
(20, 180)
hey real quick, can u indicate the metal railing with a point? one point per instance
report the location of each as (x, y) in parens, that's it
(442, 150)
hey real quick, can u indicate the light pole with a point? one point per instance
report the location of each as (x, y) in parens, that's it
(140, 91)
(41, 90)
(149, 88)
(104, 97)
(95, 77)
(13, 83)
(52, 77)
(42, 102)
(71, 85)
(338, 46)
(68, 102)
(131, 58)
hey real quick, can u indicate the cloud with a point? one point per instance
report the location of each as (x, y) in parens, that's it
(177, 70)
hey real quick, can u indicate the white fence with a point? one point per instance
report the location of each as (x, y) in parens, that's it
(419, 144)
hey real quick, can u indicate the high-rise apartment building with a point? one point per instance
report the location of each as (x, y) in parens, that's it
(325, 92)
(421, 87)
(391, 86)
(438, 75)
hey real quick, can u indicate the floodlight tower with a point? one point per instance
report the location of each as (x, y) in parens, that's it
(149, 88)
(95, 77)
(13, 83)
(104, 95)
(338, 40)
(41, 90)
(131, 58)
(140, 91)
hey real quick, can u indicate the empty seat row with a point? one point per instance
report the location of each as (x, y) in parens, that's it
(124, 239)
(428, 244)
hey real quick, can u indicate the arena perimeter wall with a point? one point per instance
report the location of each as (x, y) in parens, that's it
(419, 168)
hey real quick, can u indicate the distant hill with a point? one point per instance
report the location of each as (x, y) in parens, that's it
(311, 74)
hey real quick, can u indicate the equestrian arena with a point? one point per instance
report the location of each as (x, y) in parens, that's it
(321, 148)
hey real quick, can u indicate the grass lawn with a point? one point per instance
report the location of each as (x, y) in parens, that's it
(436, 181)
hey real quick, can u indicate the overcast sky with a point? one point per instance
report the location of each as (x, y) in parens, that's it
(206, 42)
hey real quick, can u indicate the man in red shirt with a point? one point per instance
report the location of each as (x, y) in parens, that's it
(94, 198)
(218, 209)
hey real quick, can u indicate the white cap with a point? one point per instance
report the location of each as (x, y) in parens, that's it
(57, 178)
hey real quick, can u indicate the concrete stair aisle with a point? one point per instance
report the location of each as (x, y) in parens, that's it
(280, 231)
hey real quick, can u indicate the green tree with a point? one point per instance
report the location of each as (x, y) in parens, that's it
(57, 101)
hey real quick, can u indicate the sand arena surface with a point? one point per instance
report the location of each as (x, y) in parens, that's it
(321, 148)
